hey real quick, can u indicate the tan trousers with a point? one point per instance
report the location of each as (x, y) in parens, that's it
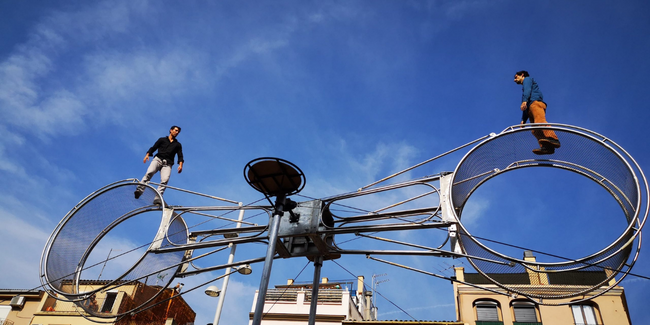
(537, 114)
(156, 165)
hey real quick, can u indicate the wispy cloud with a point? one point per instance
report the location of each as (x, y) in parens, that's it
(24, 252)
(473, 210)
(31, 98)
(10, 139)
(56, 80)
(372, 165)
(61, 77)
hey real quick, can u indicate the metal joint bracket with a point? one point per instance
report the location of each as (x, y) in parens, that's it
(448, 212)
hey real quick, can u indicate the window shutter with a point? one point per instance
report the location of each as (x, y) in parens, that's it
(488, 313)
(584, 314)
(590, 316)
(525, 314)
(577, 314)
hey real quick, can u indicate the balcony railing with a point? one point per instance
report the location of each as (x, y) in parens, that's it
(285, 295)
(327, 296)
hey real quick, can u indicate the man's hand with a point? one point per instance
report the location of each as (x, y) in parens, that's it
(146, 158)
(180, 167)
(524, 106)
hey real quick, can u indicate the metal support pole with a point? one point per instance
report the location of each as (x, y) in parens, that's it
(318, 262)
(268, 261)
(231, 258)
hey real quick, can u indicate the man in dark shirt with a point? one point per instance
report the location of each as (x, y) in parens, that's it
(533, 107)
(168, 147)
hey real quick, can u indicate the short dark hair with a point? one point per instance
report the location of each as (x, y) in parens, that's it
(175, 126)
(522, 72)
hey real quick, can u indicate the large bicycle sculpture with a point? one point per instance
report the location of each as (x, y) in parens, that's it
(311, 228)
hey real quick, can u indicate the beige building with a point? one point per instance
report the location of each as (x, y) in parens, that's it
(482, 307)
(402, 322)
(17, 307)
(36, 307)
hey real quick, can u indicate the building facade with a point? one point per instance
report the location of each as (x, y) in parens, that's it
(17, 307)
(290, 303)
(483, 307)
(38, 308)
(338, 304)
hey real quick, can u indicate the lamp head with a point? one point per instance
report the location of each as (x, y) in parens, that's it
(213, 291)
(245, 269)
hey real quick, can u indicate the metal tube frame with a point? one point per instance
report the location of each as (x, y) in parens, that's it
(268, 261)
(318, 263)
(226, 279)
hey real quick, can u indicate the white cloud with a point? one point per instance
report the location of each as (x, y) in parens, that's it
(23, 253)
(55, 80)
(368, 166)
(473, 209)
(29, 98)
(238, 303)
(121, 86)
(59, 112)
(62, 77)
(456, 10)
(238, 298)
(20, 93)
(7, 141)
(94, 22)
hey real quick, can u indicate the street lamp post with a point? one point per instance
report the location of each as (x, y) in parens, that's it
(214, 291)
(241, 269)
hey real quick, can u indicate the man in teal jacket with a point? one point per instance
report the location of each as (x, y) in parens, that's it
(534, 108)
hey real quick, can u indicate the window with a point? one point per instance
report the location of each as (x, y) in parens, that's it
(108, 303)
(584, 315)
(487, 310)
(525, 311)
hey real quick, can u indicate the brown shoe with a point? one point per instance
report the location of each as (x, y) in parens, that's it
(544, 151)
(550, 142)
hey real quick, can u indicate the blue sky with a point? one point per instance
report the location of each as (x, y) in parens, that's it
(350, 91)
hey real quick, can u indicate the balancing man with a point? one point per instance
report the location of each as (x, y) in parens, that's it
(534, 108)
(168, 147)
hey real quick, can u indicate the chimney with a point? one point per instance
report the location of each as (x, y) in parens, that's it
(360, 285)
(528, 256)
(536, 278)
(460, 273)
(367, 312)
(290, 282)
(324, 280)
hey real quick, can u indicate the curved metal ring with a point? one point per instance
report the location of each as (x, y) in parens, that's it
(584, 152)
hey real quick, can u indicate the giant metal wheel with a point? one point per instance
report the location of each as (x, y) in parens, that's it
(310, 228)
(583, 152)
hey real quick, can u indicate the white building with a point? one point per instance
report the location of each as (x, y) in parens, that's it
(337, 302)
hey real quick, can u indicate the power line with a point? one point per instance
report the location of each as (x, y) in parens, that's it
(547, 254)
(285, 290)
(379, 293)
